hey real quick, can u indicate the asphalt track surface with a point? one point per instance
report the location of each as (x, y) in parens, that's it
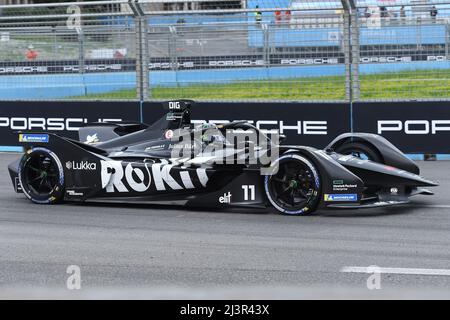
(170, 252)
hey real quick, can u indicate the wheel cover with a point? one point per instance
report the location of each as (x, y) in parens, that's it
(41, 175)
(295, 188)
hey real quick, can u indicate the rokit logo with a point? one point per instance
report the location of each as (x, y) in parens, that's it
(122, 177)
(272, 126)
(48, 124)
(226, 198)
(83, 165)
(413, 127)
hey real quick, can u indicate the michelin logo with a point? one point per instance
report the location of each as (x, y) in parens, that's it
(340, 197)
(43, 138)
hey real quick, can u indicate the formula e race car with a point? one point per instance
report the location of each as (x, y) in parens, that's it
(228, 165)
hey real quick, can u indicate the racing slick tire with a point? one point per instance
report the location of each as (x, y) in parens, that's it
(295, 188)
(360, 150)
(41, 176)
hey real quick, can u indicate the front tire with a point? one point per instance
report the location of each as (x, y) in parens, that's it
(41, 176)
(360, 150)
(295, 188)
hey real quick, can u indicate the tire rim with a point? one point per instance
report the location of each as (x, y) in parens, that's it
(295, 187)
(40, 176)
(358, 154)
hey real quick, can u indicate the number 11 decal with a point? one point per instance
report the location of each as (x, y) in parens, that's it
(249, 190)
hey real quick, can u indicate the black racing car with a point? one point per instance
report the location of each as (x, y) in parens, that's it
(139, 163)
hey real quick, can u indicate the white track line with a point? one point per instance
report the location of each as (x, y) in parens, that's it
(444, 206)
(425, 272)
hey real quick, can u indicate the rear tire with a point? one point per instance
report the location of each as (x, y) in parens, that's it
(41, 176)
(360, 150)
(295, 188)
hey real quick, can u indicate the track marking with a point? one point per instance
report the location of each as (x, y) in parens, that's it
(424, 272)
(444, 206)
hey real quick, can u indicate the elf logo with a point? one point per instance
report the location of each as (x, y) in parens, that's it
(413, 127)
(226, 198)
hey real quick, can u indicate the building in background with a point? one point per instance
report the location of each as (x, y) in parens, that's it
(195, 5)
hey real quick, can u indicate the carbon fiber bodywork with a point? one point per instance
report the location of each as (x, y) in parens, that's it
(133, 164)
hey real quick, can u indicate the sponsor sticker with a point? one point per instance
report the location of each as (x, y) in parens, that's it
(33, 137)
(342, 186)
(82, 165)
(394, 191)
(73, 193)
(158, 147)
(173, 116)
(174, 105)
(340, 197)
(91, 139)
(226, 198)
(118, 176)
(169, 134)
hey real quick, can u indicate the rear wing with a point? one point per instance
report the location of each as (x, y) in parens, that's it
(56, 143)
(96, 132)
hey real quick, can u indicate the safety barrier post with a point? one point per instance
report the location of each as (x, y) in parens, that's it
(355, 49)
(347, 56)
(142, 61)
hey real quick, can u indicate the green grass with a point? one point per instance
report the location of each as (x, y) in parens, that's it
(405, 85)
(421, 84)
